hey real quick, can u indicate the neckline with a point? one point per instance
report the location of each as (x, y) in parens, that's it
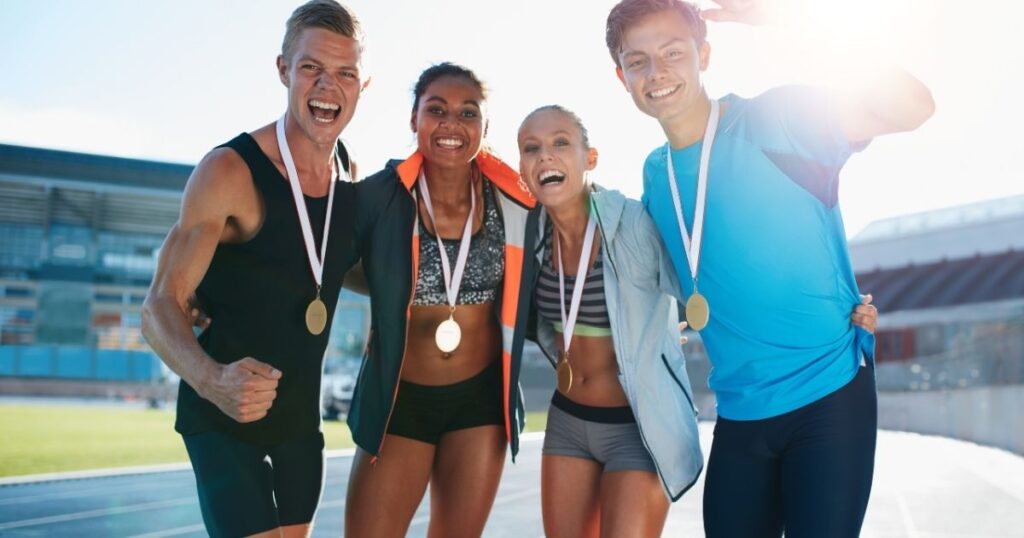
(729, 100)
(283, 180)
(486, 195)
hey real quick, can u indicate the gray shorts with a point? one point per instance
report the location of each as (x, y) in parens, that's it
(616, 446)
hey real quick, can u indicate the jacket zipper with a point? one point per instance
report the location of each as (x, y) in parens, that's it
(689, 400)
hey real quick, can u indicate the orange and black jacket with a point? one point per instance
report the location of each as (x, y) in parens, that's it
(388, 241)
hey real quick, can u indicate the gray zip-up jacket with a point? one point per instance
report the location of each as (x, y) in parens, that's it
(640, 288)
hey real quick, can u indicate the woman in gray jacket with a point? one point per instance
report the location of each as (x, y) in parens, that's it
(621, 439)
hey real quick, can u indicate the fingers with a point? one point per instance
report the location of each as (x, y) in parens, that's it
(867, 320)
(718, 15)
(683, 340)
(682, 327)
(256, 406)
(244, 390)
(866, 299)
(198, 318)
(260, 368)
(866, 310)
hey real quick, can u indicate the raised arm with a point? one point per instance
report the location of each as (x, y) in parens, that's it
(876, 101)
(243, 390)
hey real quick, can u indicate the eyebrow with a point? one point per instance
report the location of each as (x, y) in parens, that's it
(670, 42)
(442, 100)
(308, 58)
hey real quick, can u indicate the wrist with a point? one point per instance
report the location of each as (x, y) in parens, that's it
(206, 376)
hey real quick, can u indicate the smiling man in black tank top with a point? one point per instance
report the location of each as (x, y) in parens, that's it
(264, 240)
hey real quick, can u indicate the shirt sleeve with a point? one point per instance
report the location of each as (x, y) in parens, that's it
(797, 128)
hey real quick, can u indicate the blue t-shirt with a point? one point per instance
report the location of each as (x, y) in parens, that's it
(774, 264)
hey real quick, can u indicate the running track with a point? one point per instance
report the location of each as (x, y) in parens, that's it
(925, 487)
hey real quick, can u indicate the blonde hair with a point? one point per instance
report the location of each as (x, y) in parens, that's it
(326, 14)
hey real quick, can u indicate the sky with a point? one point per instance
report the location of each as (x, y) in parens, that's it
(169, 80)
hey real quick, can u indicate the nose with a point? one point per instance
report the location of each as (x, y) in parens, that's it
(657, 69)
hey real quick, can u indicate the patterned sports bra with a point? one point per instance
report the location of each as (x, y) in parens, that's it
(485, 266)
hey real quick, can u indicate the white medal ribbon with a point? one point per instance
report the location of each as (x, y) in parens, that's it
(569, 322)
(692, 247)
(452, 280)
(316, 264)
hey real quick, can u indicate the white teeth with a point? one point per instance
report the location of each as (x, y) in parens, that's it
(449, 142)
(662, 92)
(549, 173)
(324, 105)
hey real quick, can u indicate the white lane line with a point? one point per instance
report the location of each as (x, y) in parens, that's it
(125, 471)
(95, 473)
(97, 513)
(908, 522)
(87, 492)
(172, 532)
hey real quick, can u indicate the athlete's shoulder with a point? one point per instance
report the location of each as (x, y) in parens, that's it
(656, 159)
(221, 169)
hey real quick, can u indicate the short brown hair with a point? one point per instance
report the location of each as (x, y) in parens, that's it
(326, 14)
(627, 12)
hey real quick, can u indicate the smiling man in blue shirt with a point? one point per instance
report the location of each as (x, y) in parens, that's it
(744, 195)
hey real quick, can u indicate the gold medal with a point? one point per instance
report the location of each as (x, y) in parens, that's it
(316, 312)
(564, 372)
(316, 316)
(698, 312)
(448, 336)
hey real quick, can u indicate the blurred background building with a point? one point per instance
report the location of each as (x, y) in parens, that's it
(79, 240)
(80, 235)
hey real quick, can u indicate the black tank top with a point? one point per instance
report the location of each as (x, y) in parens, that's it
(257, 292)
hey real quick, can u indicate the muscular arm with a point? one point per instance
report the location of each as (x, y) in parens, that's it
(243, 390)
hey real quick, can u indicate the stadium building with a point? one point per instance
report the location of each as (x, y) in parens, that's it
(79, 239)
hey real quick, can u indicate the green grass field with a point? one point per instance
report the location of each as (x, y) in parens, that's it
(47, 439)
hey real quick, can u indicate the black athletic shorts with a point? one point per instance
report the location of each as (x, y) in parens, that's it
(245, 489)
(426, 412)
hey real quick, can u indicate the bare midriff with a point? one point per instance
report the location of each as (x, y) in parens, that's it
(595, 372)
(425, 364)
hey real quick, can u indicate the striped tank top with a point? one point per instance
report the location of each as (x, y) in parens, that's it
(593, 316)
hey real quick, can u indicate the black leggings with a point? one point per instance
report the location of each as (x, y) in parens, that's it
(807, 472)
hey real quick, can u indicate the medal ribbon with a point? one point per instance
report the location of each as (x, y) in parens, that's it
(569, 322)
(692, 248)
(452, 281)
(316, 264)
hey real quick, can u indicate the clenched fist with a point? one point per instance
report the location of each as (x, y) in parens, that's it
(243, 390)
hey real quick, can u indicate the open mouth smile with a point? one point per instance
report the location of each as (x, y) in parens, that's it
(323, 112)
(550, 177)
(663, 92)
